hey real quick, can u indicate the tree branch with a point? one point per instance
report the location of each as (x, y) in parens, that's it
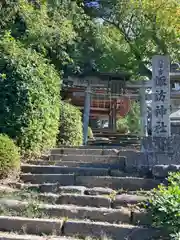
(142, 67)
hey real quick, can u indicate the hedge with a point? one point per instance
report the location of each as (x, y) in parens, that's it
(9, 157)
(70, 128)
(29, 96)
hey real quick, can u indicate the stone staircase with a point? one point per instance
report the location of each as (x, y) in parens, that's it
(81, 194)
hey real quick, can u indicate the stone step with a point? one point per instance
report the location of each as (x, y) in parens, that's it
(78, 195)
(31, 225)
(88, 158)
(63, 179)
(76, 228)
(78, 171)
(114, 232)
(110, 165)
(113, 200)
(14, 236)
(127, 183)
(158, 171)
(57, 188)
(85, 151)
(122, 215)
(42, 169)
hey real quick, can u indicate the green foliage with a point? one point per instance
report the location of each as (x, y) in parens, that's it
(70, 129)
(90, 133)
(122, 125)
(29, 96)
(164, 205)
(9, 157)
(131, 122)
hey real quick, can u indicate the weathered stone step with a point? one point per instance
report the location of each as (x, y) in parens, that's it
(127, 183)
(88, 158)
(85, 151)
(76, 228)
(78, 171)
(122, 215)
(57, 188)
(63, 179)
(31, 225)
(114, 232)
(14, 236)
(71, 164)
(42, 169)
(112, 200)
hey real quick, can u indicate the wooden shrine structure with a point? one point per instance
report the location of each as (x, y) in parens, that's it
(110, 95)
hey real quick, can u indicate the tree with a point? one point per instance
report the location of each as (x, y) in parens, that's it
(145, 28)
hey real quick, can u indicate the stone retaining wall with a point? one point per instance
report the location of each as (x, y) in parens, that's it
(160, 150)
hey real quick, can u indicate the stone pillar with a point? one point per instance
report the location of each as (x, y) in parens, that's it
(143, 112)
(87, 106)
(114, 110)
(160, 96)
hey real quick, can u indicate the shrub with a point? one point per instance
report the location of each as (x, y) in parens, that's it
(9, 156)
(70, 129)
(122, 125)
(164, 205)
(131, 122)
(90, 133)
(29, 96)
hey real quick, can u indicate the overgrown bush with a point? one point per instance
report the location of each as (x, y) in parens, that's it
(29, 97)
(122, 125)
(90, 133)
(9, 156)
(70, 129)
(164, 205)
(131, 122)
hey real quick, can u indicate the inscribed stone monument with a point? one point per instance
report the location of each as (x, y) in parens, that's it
(160, 96)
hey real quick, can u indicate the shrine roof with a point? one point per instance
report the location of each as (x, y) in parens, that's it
(105, 75)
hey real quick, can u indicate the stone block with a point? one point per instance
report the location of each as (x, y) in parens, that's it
(112, 231)
(127, 199)
(141, 217)
(83, 171)
(98, 191)
(81, 151)
(89, 158)
(63, 179)
(80, 200)
(128, 183)
(73, 164)
(161, 171)
(74, 212)
(31, 225)
(15, 236)
(135, 161)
